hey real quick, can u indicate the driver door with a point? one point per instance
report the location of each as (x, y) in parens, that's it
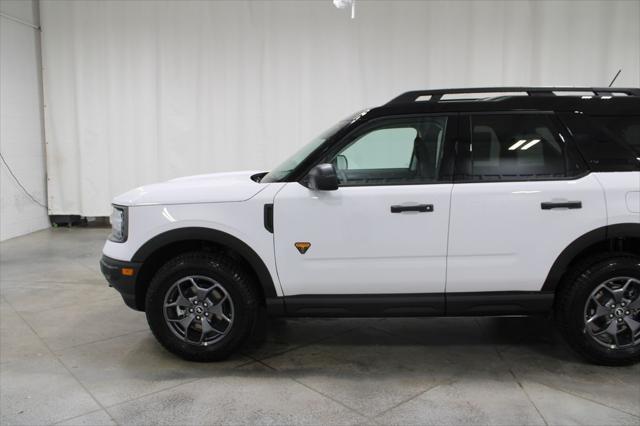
(384, 230)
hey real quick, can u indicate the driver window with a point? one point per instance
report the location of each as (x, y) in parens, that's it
(403, 151)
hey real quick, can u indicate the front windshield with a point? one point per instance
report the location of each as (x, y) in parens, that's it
(292, 162)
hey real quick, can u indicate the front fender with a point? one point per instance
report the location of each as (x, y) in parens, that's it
(212, 236)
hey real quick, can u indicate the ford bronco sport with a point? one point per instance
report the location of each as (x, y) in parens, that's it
(493, 201)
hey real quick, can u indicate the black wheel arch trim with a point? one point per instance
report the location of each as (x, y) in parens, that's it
(587, 240)
(212, 236)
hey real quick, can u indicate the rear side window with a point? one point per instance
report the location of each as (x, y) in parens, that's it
(515, 147)
(624, 128)
(607, 143)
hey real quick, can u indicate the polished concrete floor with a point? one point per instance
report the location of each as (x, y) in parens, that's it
(73, 353)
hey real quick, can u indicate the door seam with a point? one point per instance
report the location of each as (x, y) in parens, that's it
(273, 237)
(446, 257)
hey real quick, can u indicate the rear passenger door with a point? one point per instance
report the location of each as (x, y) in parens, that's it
(520, 197)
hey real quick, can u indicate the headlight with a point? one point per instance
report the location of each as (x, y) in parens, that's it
(118, 224)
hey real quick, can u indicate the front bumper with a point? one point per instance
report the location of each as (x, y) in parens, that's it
(112, 270)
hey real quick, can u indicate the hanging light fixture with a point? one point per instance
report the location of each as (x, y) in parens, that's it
(343, 4)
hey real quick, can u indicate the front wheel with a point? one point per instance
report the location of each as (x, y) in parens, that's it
(201, 306)
(598, 310)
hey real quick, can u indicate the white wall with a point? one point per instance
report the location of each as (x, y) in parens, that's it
(21, 128)
(141, 91)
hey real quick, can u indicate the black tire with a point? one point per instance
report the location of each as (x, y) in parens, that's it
(571, 301)
(228, 274)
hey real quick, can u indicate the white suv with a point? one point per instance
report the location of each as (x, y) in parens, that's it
(495, 201)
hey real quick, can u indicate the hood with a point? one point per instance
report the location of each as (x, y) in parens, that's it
(209, 188)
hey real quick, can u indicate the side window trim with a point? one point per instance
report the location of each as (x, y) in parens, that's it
(579, 168)
(446, 165)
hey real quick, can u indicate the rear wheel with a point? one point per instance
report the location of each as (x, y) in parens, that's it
(598, 310)
(201, 306)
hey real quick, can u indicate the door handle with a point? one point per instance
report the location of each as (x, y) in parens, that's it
(548, 205)
(422, 208)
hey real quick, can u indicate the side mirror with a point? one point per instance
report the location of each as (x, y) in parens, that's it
(323, 177)
(341, 162)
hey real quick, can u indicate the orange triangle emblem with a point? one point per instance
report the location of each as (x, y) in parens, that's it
(302, 247)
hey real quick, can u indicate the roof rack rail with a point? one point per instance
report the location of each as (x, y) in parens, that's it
(436, 95)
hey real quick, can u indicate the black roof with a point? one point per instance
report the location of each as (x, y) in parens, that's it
(594, 100)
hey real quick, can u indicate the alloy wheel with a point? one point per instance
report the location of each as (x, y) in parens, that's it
(198, 310)
(612, 313)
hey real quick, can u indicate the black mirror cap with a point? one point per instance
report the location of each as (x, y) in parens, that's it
(323, 177)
